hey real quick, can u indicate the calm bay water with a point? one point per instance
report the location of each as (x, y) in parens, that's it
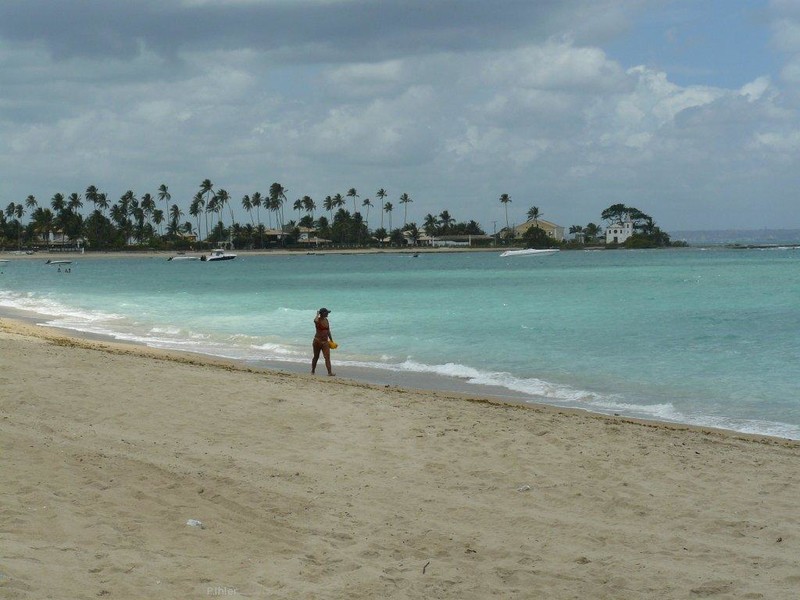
(707, 337)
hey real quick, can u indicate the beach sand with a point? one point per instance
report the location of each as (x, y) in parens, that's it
(316, 487)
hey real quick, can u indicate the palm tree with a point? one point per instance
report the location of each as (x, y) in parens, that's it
(338, 201)
(224, 198)
(43, 222)
(206, 188)
(368, 203)
(388, 208)
(298, 206)
(91, 194)
(277, 196)
(256, 200)
(212, 206)
(102, 202)
(11, 211)
(148, 206)
(413, 232)
(175, 214)
(430, 224)
(196, 208)
(592, 230)
(381, 194)
(533, 215)
(405, 200)
(352, 193)
(158, 218)
(505, 199)
(327, 204)
(164, 195)
(247, 204)
(309, 205)
(57, 202)
(446, 221)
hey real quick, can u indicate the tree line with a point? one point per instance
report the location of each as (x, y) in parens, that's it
(154, 221)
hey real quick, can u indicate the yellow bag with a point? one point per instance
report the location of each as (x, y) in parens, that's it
(332, 345)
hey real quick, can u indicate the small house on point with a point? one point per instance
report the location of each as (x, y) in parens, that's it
(618, 233)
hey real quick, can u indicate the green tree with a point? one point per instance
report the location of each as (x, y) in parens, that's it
(298, 206)
(247, 204)
(412, 231)
(197, 208)
(352, 193)
(592, 231)
(309, 206)
(277, 196)
(381, 195)
(164, 196)
(257, 201)
(534, 214)
(505, 200)
(206, 190)
(405, 200)
(446, 221)
(367, 203)
(430, 225)
(380, 234)
(328, 205)
(388, 208)
(536, 237)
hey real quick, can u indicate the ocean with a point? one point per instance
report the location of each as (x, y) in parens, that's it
(698, 336)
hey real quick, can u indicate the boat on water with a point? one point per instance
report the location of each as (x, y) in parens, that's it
(183, 257)
(530, 252)
(218, 254)
(58, 262)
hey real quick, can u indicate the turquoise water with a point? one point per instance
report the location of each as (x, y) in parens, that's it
(707, 337)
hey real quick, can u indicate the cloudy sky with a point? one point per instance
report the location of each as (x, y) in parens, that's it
(686, 109)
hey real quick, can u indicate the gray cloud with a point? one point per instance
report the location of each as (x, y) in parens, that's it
(301, 29)
(454, 102)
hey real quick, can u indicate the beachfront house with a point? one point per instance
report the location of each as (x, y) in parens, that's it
(618, 233)
(57, 240)
(556, 232)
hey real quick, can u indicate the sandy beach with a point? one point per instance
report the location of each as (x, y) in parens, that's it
(132, 473)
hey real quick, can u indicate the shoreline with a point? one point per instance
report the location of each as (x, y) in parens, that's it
(413, 381)
(74, 255)
(132, 472)
(25, 324)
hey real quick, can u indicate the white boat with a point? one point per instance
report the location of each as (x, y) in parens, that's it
(4, 260)
(218, 254)
(182, 257)
(529, 252)
(58, 262)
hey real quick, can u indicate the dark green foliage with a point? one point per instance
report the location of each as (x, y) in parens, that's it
(536, 237)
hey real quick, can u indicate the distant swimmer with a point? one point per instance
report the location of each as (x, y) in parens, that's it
(322, 340)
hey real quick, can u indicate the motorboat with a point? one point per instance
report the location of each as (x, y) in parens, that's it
(183, 257)
(218, 254)
(58, 262)
(529, 252)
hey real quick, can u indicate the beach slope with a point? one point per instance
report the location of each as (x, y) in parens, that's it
(129, 473)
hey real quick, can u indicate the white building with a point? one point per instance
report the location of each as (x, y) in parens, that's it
(618, 233)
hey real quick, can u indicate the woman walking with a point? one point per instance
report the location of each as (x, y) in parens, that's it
(322, 340)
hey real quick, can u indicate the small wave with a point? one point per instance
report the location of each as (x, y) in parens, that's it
(52, 308)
